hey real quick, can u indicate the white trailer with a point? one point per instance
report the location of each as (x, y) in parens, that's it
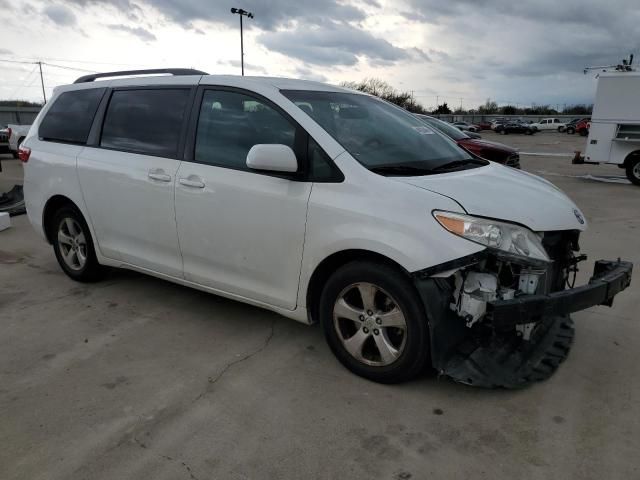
(614, 136)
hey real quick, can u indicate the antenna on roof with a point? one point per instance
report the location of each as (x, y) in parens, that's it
(625, 66)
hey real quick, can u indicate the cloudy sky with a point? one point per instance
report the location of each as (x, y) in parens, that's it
(465, 51)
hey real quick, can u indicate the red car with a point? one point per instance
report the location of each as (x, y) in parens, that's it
(582, 127)
(494, 151)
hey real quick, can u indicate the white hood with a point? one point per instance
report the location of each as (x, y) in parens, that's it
(508, 194)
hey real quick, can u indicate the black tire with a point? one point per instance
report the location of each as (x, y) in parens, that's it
(571, 130)
(415, 351)
(15, 154)
(90, 270)
(560, 129)
(633, 169)
(584, 132)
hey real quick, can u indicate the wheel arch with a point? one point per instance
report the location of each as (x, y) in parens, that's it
(54, 204)
(330, 264)
(630, 156)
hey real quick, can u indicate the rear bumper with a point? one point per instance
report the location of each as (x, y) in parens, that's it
(609, 278)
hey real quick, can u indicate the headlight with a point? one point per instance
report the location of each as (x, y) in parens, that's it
(510, 238)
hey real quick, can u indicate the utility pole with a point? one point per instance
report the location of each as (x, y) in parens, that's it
(241, 13)
(44, 95)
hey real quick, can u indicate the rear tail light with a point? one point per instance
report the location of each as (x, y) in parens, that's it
(24, 153)
(8, 133)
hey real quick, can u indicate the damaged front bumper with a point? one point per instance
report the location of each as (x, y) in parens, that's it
(517, 340)
(609, 278)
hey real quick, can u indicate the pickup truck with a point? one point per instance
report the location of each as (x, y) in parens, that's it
(16, 136)
(549, 124)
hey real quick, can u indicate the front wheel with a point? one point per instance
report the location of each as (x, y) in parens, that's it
(633, 170)
(374, 322)
(571, 130)
(560, 129)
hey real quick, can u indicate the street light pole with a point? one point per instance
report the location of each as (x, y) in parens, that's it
(241, 13)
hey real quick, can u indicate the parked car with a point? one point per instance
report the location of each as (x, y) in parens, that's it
(515, 127)
(572, 123)
(497, 121)
(581, 126)
(322, 204)
(549, 124)
(484, 125)
(464, 126)
(494, 151)
(17, 134)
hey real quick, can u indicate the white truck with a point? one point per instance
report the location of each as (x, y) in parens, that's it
(549, 124)
(614, 136)
(17, 134)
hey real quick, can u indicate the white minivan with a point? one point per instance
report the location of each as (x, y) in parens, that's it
(322, 204)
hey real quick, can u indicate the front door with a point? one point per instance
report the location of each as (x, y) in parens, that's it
(241, 231)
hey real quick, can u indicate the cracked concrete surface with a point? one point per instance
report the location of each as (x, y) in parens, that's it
(136, 378)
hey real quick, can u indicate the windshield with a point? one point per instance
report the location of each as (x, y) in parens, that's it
(444, 127)
(382, 137)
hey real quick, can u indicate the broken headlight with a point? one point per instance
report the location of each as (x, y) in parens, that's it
(507, 237)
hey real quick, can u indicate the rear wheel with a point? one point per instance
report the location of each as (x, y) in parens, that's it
(633, 170)
(560, 129)
(73, 245)
(584, 132)
(571, 130)
(374, 322)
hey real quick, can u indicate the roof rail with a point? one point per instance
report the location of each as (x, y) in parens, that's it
(172, 71)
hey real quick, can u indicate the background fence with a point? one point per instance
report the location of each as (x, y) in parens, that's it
(18, 115)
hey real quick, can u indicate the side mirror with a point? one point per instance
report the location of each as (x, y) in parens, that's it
(273, 158)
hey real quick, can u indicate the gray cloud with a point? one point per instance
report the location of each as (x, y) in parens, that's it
(250, 68)
(60, 15)
(332, 44)
(139, 32)
(4, 51)
(268, 14)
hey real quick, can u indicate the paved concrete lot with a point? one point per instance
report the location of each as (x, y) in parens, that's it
(136, 378)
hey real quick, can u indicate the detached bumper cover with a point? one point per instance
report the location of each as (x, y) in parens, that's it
(609, 278)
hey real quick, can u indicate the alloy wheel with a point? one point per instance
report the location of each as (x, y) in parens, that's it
(72, 244)
(370, 324)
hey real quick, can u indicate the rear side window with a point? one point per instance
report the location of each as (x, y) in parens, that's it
(146, 121)
(70, 117)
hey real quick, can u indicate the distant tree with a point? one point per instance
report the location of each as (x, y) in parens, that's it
(382, 89)
(444, 108)
(19, 103)
(488, 108)
(578, 110)
(509, 110)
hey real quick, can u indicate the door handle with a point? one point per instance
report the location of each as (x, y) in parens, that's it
(192, 181)
(161, 177)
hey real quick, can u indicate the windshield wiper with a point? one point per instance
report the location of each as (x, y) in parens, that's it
(458, 163)
(401, 170)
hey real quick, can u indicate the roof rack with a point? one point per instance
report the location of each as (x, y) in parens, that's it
(172, 71)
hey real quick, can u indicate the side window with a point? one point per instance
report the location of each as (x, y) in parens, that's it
(70, 117)
(555, 120)
(146, 121)
(231, 123)
(320, 167)
(542, 122)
